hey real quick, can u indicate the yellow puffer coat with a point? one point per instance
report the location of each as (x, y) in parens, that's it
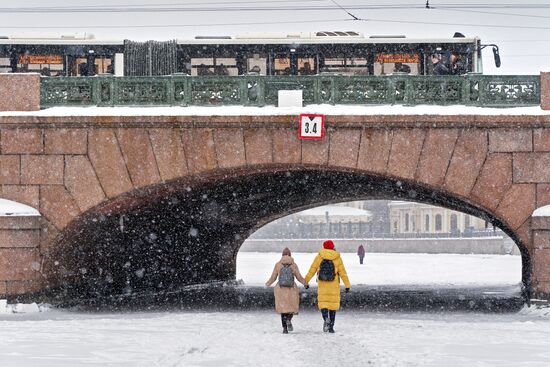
(328, 293)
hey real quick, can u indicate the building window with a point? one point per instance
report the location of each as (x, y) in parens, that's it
(454, 222)
(466, 221)
(427, 225)
(407, 222)
(438, 223)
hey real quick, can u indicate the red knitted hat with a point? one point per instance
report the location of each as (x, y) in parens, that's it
(328, 244)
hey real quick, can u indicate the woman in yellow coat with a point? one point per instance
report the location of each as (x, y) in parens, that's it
(328, 292)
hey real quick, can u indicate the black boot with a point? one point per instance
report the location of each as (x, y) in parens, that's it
(326, 324)
(332, 317)
(289, 322)
(284, 322)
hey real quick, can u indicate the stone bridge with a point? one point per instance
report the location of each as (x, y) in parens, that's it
(141, 203)
(153, 203)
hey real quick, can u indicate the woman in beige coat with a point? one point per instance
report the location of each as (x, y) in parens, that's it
(287, 298)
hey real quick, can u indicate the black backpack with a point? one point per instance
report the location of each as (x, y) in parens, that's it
(326, 271)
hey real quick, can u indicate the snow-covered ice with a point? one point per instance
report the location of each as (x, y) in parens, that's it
(254, 268)
(253, 338)
(226, 339)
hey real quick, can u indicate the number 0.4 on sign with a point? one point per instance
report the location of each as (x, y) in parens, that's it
(312, 126)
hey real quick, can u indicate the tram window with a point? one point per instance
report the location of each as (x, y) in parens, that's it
(386, 64)
(44, 64)
(346, 65)
(5, 65)
(226, 66)
(202, 66)
(214, 66)
(257, 65)
(104, 65)
(80, 67)
(455, 63)
(282, 65)
(307, 66)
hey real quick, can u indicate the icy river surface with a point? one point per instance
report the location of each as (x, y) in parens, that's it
(254, 338)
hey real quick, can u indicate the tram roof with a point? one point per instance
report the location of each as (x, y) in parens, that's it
(246, 39)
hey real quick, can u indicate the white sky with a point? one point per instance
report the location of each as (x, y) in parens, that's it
(523, 50)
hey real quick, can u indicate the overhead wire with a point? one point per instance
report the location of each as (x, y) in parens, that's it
(175, 25)
(237, 6)
(491, 13)
(335, 6)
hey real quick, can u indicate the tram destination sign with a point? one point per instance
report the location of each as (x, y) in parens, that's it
(312, 126)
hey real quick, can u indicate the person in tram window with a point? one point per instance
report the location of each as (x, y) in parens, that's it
(83, 69)
(202, 70)
(399, 67)
(45, 71)
(221, 69)
(438, 67)
(287, 294)
(255, 70)
(457, 66)
(306, 70)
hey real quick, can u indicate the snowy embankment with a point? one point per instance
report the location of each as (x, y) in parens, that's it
(21, 308)
(398, 269)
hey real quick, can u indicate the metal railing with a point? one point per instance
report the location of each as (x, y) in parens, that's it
(254, 90)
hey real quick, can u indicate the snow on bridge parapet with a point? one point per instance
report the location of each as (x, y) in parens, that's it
(340, 110)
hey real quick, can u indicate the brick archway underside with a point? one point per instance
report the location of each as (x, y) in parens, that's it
(189, 231)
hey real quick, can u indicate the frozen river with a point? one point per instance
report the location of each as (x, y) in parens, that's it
(254, 338)
(240, 339)
(254, 268)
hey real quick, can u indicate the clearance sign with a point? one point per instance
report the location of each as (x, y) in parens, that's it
(312, 126)
(403, 58)
(39, 59)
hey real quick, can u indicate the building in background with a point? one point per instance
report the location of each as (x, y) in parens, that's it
(335, 214)
(410, 217)
(380, 221)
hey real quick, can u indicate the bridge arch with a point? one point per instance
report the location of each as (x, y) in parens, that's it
(82, 168)
(189, 230)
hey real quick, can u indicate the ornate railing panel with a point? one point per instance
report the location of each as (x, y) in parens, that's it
(252, 90)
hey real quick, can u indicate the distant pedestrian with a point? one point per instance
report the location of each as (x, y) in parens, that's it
(329, 267)
(287, 294)
(361, 253)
